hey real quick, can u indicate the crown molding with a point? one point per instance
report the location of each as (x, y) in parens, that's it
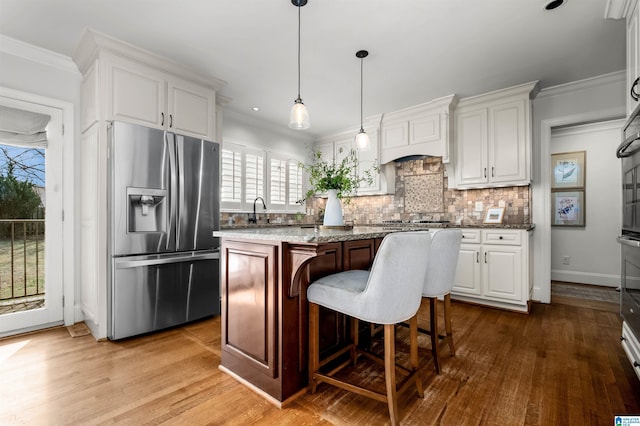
(93, 42)
(36, 54)
(617, 9)
(575, 86)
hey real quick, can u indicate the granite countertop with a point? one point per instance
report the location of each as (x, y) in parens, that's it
(314, 234)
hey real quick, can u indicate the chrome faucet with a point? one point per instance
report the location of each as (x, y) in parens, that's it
(254, 218)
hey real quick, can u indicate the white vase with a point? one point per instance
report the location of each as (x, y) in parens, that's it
(333, 210)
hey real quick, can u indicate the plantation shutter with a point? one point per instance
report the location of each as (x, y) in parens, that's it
(254, 177)
(231, 177)
(278, 181)
(295, 184)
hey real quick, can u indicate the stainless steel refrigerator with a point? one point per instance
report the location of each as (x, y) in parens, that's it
(163, 207)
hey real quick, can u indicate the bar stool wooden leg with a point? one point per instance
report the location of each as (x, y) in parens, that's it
(433, 317)
(390, 372)
(314, 344)
(447, 323)
(355, 337)
(415, 362)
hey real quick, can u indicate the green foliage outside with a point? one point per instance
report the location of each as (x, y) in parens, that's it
(18, 199)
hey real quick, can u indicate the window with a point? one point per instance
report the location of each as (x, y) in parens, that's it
(278, 181)
(254, 177)
(231, 176)
(248, 173)
(296, 191)
(285, 183)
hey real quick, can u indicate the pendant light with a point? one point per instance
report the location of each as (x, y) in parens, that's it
(362, 139)
(299, 116)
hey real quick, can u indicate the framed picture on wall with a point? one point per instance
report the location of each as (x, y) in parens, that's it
(568, 208)
(494, 215)
(568, 169)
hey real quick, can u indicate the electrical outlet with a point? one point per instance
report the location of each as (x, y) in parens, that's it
(566, 260)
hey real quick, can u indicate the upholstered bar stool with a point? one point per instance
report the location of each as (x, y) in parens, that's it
(441, 272)
(388, 294)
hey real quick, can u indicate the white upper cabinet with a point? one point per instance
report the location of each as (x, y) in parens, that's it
(137, 86)
(633, 54)
(143, 95)
(493, 138)
(135, 93)
(423, 129)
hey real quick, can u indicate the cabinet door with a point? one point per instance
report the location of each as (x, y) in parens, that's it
(358, 254)
(136, 94)
(502, 276)
(507, 143)
(342, 148)
(467, 279)
(249, 304)
(369, 160)
(395, 135)
(471, 134)
(425, 129)
(191, 109)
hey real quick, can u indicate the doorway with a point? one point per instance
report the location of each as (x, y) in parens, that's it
(33, 248)
(586, 251)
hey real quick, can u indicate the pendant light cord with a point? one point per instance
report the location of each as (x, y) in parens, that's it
(299, 51)
(361, 93)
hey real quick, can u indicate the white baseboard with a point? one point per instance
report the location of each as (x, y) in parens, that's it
(606, 280)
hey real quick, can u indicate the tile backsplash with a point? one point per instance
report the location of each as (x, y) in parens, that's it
(421, 194)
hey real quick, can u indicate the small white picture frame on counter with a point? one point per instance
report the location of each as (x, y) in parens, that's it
(494, 215)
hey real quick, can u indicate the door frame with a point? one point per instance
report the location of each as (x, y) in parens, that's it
(68, 199)
(542, 200)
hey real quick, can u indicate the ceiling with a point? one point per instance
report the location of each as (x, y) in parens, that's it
(418, 49)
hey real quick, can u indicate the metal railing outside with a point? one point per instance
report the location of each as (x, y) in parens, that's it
(21, 259)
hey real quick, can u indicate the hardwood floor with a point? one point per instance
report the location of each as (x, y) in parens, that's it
(562, 364)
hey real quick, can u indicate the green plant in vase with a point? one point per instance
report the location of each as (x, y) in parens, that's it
(340, 180)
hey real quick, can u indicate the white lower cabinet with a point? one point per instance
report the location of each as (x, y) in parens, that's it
(493, 268)
(631, 348)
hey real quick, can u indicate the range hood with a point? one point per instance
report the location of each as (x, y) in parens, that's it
(419, 131)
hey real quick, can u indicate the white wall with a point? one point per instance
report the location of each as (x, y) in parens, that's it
(596, 99)
(244, 129)
(594, 253)
(37, 71)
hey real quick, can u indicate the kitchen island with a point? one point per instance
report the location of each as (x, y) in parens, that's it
(264, 275)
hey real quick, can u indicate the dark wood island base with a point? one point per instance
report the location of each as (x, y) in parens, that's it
(264, 307)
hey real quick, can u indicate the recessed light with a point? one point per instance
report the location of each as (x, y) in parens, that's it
(554, 4)
(255, 109)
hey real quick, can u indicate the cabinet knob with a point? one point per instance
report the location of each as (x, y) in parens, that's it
(171, 120)
(485, 257)
(635, 364)
(493, 174)
(500, 237)
(485, 172)
(162, 121)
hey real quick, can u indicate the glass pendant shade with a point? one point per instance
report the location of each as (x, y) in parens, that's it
(362, 141)
(299, 116)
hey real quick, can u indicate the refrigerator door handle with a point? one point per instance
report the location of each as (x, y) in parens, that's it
(146, 261)
(182, 208)
(173, 192)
